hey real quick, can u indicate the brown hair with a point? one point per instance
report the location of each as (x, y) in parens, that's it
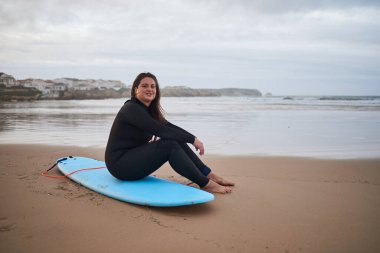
(155, 109)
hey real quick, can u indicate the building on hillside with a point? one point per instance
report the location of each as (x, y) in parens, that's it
(69, 82)
(90, 84)
(39, 84)
(59, 87)
(7, 80)
(83, 87)
(49, 88)
(109, 84)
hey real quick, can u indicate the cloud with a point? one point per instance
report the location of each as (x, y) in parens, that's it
(279, 6)
(198, 43)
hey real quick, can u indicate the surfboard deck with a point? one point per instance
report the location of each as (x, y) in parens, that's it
(149, 191)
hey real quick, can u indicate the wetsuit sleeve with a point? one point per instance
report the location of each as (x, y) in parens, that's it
(136, 115)
(176, 127)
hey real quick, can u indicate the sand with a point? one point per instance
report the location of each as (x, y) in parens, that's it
(279, 204)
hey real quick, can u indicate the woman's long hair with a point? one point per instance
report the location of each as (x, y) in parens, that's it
(155, 109)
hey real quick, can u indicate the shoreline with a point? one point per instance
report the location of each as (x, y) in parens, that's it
(215, 155)
(280, 204)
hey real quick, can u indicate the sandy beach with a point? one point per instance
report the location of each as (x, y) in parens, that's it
(279, 204)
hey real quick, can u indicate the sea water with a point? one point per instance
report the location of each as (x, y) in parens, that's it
(325, 127)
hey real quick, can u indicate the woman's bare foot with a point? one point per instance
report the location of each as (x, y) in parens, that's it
(213, 187)
(219, 180)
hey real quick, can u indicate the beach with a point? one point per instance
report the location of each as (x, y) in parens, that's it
(279, 204)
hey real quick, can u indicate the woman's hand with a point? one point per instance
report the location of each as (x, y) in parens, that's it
(199, 146)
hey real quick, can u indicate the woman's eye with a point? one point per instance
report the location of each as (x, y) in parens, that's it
(145, 86)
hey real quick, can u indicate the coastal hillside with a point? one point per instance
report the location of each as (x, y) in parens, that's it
(183, 91)
(165, 92)
(73, 88)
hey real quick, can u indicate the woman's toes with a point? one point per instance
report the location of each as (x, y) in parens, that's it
(216, 188)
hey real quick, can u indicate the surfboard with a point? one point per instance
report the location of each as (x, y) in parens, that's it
(149, 191)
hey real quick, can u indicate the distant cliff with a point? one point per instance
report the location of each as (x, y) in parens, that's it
(18, 93)
(170, 91)
(183, 91)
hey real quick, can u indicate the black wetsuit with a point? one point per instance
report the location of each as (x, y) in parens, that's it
(130, 156)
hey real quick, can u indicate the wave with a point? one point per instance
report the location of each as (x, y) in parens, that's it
(331, 98)
(350, 98)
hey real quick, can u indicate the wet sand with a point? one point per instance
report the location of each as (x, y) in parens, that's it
(279, 204)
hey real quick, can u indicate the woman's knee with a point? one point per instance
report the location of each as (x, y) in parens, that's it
(168, 144)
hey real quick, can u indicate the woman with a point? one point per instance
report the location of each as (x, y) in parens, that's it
(132, 153)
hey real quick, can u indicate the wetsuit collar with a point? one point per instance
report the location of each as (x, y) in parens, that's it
(139, 102)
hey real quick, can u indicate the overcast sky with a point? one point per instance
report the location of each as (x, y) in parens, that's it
(287, 47)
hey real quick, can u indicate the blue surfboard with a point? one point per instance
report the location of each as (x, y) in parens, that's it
(150, 191)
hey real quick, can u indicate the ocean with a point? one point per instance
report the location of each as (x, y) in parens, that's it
(315, 126)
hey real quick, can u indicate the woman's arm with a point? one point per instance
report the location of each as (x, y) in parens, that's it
(135, 115)
(197, 143)
(176, 127)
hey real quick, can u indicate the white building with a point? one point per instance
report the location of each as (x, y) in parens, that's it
(109, 84)
(7, 80)
(59, 87)
(48, 88)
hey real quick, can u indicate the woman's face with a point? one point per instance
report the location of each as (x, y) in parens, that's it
(146, 91)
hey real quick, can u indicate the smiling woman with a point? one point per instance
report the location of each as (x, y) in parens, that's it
(146, 91)
(132, 153)
(145, 88)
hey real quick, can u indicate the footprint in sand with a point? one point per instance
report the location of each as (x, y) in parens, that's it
(4, 227)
